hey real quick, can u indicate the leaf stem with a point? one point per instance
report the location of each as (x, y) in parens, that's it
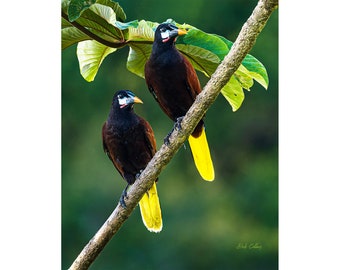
(92, 35)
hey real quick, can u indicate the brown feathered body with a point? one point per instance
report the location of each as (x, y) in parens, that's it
(172, 80)
(129, 142)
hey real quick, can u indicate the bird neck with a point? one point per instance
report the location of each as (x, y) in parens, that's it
(121, 117)
(164, 54)
(160, 47)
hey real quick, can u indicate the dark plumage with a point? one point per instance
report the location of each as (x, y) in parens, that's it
(128, 139)
(170, 76)
(174, 84)
(129, 142)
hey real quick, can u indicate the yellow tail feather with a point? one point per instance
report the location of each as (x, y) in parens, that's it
(150, 210)
(201, 153)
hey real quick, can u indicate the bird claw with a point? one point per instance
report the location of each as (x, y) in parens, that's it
(123, 196)
(122, 202)
(167, 138)
(178, 123)
(177, 126)
(138, 174)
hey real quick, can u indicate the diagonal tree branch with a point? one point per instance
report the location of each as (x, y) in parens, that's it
(243, 44)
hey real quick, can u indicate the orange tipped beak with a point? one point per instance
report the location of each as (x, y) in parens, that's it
(182, 32)
(137, 100)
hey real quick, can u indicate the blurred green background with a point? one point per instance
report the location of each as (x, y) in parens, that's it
(231, 223)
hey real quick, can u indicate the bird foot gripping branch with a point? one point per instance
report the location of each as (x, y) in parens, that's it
(178, 123)
(123, 197)
(178, 126)
(124, 193)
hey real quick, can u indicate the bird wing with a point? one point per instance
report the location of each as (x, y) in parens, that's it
(149, 137)
(107, 151)
(194, 86)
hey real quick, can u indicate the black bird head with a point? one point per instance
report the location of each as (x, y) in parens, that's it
(125, 99)
(167, 33)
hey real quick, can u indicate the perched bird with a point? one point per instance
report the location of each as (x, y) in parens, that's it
(173, 82)
(129, 142)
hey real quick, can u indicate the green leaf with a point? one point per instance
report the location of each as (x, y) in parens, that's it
(226, 41)
(143, 32)
(99, 19)
(64, 5)
(206, 51)
(244, 79)
(104, 12)
(233, 92)
(123, 26)
(71, 35)
(251, 67)
(256, 70)
(202, 59)
(209, 42)
(90, 56)
(120, 14)
(138, 55)
(203, 50)
(105, 18)
(140, 38)
(76, 7)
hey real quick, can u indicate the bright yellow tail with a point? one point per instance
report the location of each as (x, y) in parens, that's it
(150, 210)
(201, 153)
